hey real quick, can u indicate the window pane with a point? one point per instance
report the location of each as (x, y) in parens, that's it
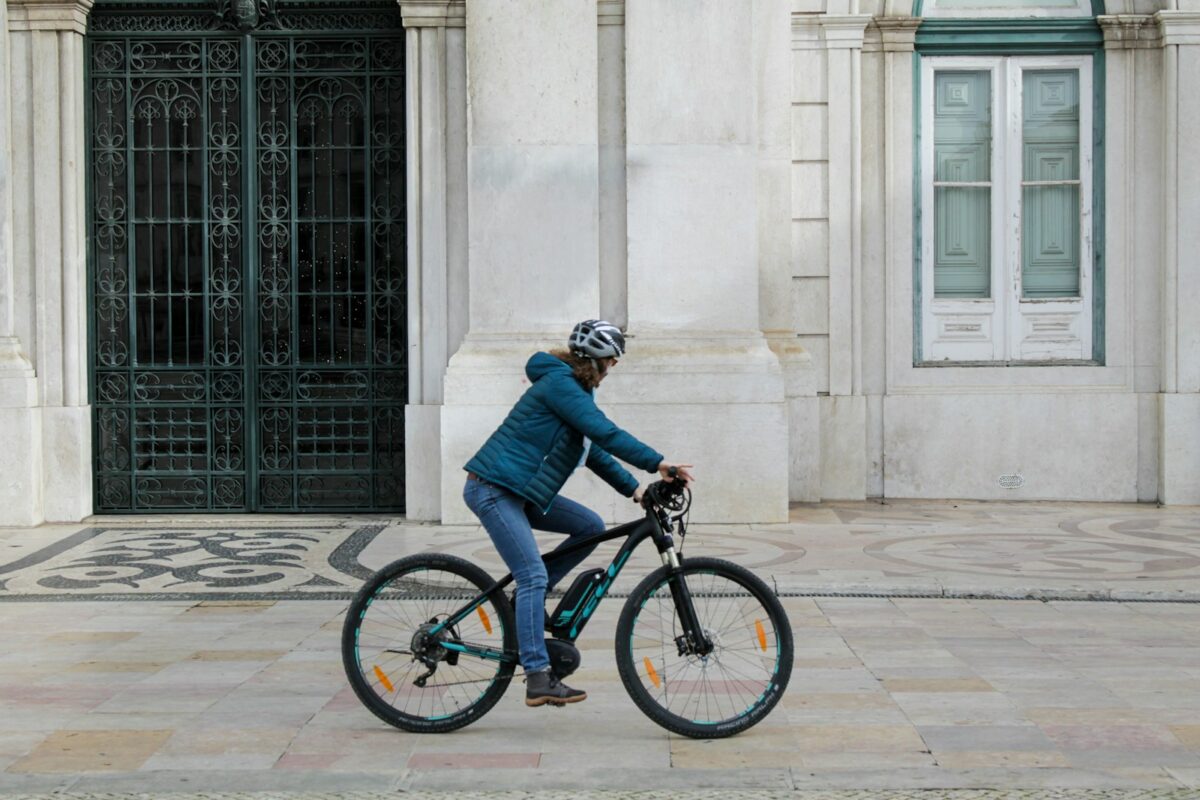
(962, 153)
(963, 246)
(1050, 213)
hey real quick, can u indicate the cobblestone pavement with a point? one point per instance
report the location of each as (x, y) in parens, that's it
(161, 656)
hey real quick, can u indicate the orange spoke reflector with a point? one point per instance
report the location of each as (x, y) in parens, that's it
(762, 634)
(483, 616)
(384, 679)
(653, 673)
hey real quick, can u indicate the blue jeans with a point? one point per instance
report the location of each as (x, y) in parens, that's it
(510, 520)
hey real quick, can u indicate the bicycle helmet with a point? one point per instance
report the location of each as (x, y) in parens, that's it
(596, 338)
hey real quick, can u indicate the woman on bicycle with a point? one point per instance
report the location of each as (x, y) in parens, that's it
(514, 479)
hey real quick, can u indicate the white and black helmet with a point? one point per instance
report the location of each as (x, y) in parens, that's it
(596, 338)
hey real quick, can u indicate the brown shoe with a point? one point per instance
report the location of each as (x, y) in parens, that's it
(543, 688)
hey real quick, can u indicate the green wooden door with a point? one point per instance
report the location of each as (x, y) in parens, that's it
(247, 256)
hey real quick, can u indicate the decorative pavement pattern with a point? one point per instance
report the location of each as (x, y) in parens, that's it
(674, 794)
(915, 549)
(156, 561)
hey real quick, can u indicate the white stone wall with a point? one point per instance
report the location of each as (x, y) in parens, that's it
(1122, 431)
(744, 206)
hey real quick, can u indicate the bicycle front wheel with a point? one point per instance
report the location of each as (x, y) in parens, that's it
(409, 669)
(722, 691)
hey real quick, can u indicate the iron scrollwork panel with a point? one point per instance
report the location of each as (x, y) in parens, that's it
(166, 265)
(330, 167)
(173, 155)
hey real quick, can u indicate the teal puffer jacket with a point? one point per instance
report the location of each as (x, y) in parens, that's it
(540, 442)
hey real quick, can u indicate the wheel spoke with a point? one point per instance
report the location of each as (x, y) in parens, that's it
(391, 644)
(693, 692)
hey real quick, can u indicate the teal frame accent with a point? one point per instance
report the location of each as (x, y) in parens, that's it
(1018, 37)
(1008, 37)
(918, 316)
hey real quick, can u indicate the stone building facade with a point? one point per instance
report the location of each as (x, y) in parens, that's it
(291, 255)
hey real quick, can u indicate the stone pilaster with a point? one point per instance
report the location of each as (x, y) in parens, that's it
(435, 50)
(613, 241)
(20, 418)
(701, 382)
(844, 412)
(1179, 475)
(533, 205)
(49, 256)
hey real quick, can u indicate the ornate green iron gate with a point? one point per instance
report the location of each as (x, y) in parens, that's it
(247, 255)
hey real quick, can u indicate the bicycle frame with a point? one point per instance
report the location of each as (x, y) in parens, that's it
(656, 526)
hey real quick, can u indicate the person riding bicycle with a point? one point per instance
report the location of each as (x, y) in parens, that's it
(513, 481)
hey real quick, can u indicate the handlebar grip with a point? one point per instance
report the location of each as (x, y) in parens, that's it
(672, 472)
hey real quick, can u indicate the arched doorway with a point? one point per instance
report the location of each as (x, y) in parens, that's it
(247, 255)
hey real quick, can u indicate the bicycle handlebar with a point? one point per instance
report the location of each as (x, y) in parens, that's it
(666, 494)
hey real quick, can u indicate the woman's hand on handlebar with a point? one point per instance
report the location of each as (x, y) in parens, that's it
(637, 495)
(671, 471)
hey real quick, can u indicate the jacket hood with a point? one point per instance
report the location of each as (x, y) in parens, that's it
(542, 364)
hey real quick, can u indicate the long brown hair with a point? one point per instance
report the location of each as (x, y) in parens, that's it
(582, 367)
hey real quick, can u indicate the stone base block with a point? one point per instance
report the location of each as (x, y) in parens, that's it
(804, 449)
(67, 462)
(423, 462)
(843, 448)
(1179, 480)
(21, 467)
(1013, 446)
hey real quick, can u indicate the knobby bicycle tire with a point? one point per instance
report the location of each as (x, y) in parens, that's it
(736, 682)
(474, 581)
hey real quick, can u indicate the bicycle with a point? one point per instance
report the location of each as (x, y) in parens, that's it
(703, 646)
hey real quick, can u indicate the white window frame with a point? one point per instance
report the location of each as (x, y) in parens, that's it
(1005, 327)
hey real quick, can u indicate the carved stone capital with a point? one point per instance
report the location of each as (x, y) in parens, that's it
(1178, 27)
(844, 30)
(49, 15)
(1129, 31)
(806, 32)
(898, 34)
(434, 13)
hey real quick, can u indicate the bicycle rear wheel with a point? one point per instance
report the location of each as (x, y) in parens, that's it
(390, 645)
(726, 690)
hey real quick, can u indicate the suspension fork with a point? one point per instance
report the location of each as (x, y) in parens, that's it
(693, 641)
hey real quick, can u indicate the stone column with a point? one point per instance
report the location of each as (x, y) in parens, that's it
(700, 381)
(533, 204)
(20, 418)
(50, 276)
(1179, 477)
(435, 49)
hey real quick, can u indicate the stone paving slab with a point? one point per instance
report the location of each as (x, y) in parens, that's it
(174, 655)
(885, 693)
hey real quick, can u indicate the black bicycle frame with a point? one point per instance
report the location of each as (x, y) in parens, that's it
(636, 532)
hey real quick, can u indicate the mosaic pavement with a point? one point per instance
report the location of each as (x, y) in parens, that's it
(155, 560)
(924, 549)
(674, 794)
